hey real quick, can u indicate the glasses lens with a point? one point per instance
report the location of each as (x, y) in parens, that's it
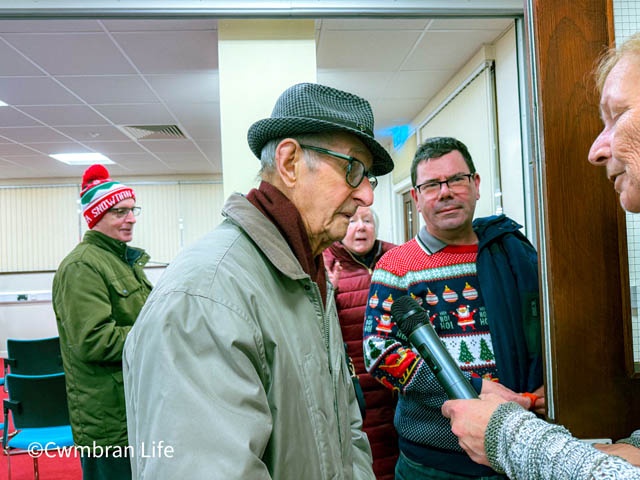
(136, 211)
(355, 173)
(373, 180)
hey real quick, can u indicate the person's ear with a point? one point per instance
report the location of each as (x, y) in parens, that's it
(287, 161)
(476, 180)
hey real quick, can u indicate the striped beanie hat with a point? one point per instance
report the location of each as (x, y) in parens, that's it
(100, 193)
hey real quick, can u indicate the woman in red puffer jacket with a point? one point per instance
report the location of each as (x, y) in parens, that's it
(350, 264)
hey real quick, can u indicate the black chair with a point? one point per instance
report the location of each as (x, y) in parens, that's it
(34, 357)
(38, 407)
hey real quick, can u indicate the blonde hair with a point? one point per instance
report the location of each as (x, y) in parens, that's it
(611, 57)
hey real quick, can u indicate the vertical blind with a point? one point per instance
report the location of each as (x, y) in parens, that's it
(40, 225)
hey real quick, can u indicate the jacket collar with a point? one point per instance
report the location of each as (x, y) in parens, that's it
(341, 253)
(264, 234)
(489, 228)
(128, 254)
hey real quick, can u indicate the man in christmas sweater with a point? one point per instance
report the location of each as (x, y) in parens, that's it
(478, 282)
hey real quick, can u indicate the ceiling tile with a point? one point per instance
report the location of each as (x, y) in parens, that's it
(41, 164)
(447, 50)
(131, 159)
(72, 53)
(111, 148)
(48, 26)
(51, 148)
(368, 85)
(10, 171)
(10, 117)
(95, 133)
(418, 84)
(401, 24)
(34, 91)
(143, 114)
(175, 159)
(394, 112)
(344, 49)
(186, 87)
(211, 149)
(14, 149)
(13, 64)
(128, 25)
(471, 24)
(200, 121)
(144, 169)
(171, 52)
(65, 115)
(32, 134)
(169, 146)
(109, 89)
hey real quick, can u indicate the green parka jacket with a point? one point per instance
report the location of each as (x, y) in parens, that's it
(98, 291)
(236, 365)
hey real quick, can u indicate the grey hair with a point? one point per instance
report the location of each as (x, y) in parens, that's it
(268, 152)
(376, 220)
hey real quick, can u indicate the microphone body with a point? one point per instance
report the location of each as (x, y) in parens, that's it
(413, 322)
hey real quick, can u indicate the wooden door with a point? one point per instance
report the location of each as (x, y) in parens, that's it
(410, 217)
(585, 245)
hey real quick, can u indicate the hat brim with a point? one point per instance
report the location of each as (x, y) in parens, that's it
(269, 128)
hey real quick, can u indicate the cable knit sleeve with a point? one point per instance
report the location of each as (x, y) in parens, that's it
(633, 439)
(524, 447)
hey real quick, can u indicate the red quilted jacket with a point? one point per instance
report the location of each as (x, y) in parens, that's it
(351, 299)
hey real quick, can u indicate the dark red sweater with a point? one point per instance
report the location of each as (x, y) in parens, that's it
(351, 299)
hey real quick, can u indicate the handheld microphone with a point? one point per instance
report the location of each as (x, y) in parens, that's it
(413, 322)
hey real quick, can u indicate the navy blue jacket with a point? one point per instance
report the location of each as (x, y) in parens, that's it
(507, 267)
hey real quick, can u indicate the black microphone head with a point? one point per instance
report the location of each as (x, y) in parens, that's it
(408, 314)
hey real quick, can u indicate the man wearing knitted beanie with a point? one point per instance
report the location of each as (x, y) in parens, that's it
(98, 291)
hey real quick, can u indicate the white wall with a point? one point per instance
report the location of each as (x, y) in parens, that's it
(509, 141)
(29, 320)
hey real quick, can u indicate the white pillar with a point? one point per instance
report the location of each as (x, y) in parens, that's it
(258, 60)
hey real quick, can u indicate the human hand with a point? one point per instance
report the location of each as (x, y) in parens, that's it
(334, 273)
(540, 407)
(505, 393)
(630, 453)
(469, 420)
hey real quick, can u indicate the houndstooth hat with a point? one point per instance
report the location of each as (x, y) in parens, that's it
(314, 108)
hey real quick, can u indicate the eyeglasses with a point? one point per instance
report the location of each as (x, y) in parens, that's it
(457, 183)
(356, 171)
(124, 211)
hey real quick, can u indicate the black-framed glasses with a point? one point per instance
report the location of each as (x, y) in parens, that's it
(457, 183)
(123, 212)
(356, 171)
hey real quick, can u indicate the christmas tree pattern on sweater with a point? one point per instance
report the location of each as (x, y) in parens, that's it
(445, 284)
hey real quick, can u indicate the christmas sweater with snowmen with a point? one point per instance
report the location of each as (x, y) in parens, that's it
(444, 282)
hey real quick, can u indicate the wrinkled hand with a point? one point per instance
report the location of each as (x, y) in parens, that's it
(540, 407)
(505, 393)
(469, 420)
(334, 273)
(630, 453)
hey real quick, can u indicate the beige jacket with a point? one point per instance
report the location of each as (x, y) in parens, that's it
(235, 364)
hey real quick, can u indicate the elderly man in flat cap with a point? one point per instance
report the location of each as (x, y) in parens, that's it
(237, 361)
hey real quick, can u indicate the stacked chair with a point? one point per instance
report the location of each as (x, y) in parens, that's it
(37, 402)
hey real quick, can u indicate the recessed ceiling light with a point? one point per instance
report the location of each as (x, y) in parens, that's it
(82, 158)
(2, 104)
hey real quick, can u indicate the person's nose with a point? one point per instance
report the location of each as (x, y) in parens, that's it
(130, 218)
(363, 193)
(600, 151)
(445, 191)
